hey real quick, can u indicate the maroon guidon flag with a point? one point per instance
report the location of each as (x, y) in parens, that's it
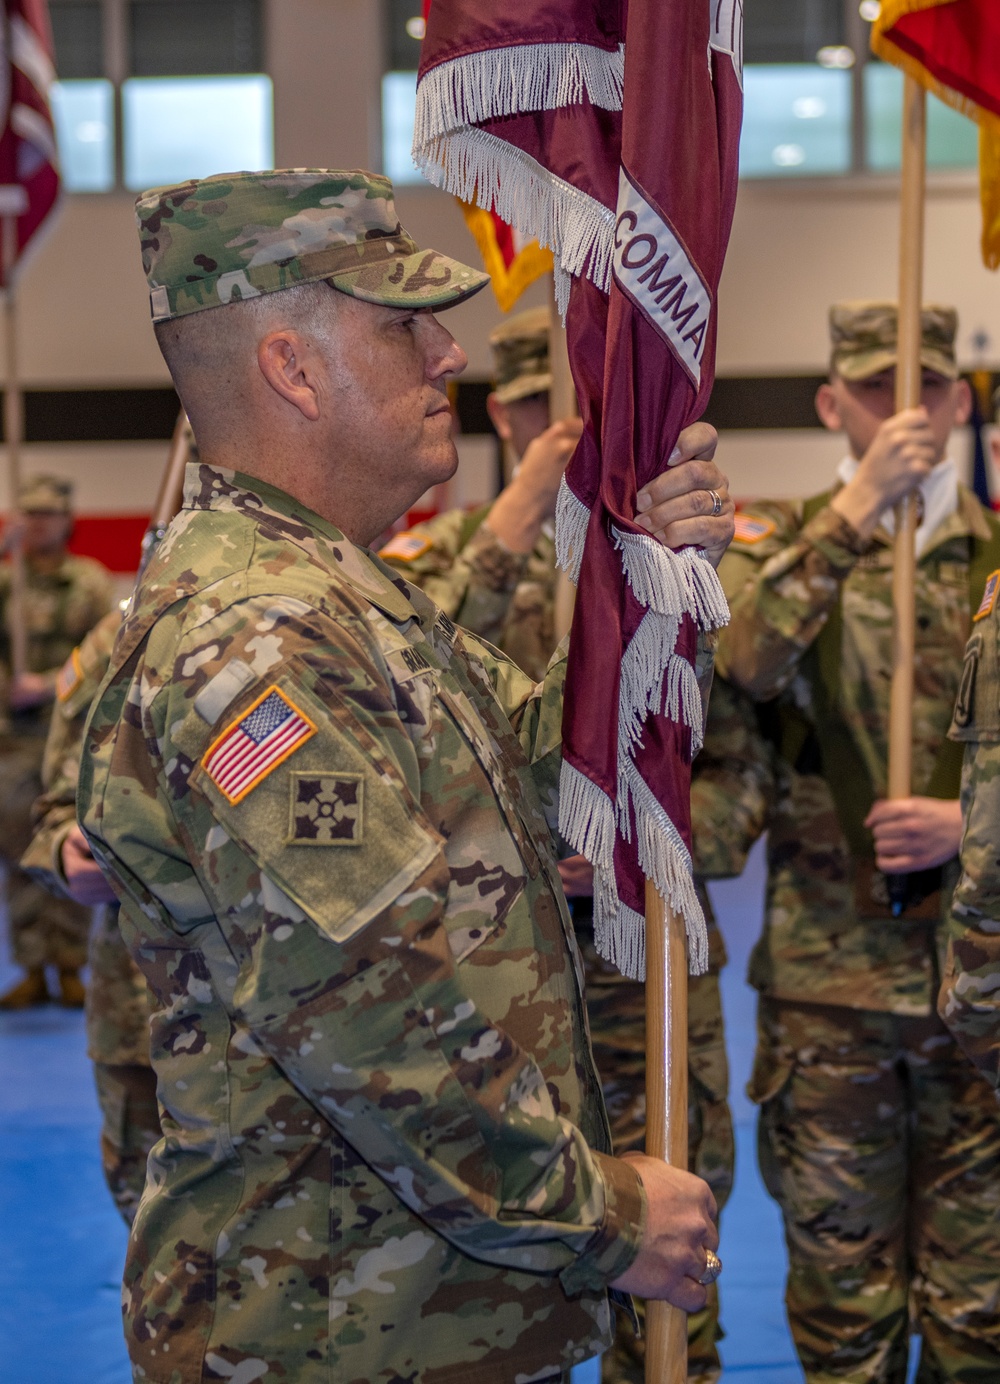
(609, 129)
(29, 165)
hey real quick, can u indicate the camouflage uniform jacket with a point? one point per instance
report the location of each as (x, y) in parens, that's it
(117, 1000)
(505, 597)
(969, 1001)
(59, 608)
(783, 583)
(384, 1135)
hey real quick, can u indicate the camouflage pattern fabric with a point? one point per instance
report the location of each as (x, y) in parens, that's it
(411, 1042)
(969, 1001)
(505, 597)
(900, 1231)
(509, 599)
(214, 241)
(117, 1005)
(863, 338)
(782, 588)
(853, 990)
(59, 608)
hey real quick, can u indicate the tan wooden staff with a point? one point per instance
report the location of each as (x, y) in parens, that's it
(170, 494)
(666, 1103)
(563, 403)
(13, 203)
(908, 373)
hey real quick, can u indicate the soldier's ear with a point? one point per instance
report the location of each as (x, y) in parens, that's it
(284, 360)
(499, 417)
(827, 408)
(963, 402)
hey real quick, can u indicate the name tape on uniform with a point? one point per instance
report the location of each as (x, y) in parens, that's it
(652, 267)
(252, 747)
(989, 596)
(406, 547)
(751, 528)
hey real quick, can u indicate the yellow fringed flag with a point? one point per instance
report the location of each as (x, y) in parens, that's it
(511, 261)
(952, 47)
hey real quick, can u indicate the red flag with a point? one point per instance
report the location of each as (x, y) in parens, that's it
(952, 47)
(28, 159)
(609, 129)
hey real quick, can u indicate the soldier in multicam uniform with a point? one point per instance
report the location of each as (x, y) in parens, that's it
(493, 571)
(64, 597)
(878, 1139)
(385, 1154)
(117, 1006)
(969, 1001)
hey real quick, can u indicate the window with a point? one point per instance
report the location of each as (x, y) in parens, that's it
(156, 91)
(816, 102)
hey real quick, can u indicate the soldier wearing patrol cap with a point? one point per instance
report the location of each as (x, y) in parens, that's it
(877, 1137)
(64, 596)
(385, 1153)
(480, 567)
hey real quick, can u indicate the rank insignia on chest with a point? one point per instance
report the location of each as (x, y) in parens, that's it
(69, 677)
(250, 748)
(752, 528)
(326, 809)
(406, 547)
(989, 596)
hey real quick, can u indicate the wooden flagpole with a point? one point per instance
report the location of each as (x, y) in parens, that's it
(563, 403)
(666, 1104)
(908, 375)
(13, 203)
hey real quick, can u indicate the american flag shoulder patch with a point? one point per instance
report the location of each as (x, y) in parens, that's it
(751, 528)
(69, 677)
(263, 737)
(406, 547)
(989, 596)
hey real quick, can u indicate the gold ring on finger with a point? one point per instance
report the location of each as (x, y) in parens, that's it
(716, 503)
(713, 1267)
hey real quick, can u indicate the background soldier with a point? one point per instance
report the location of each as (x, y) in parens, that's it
(969, 1001)
(493, 570)
(64, 597)
(117, 1006)
(878, 1139)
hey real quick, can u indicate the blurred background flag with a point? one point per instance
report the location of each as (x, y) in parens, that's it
(952, 47)
(28, 159)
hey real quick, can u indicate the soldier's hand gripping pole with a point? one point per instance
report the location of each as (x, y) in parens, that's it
(908, 373)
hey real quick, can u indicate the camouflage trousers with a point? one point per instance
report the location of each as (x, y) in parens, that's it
(881, 1144)
(129, 1129)
(44, 930)
(616, 1009)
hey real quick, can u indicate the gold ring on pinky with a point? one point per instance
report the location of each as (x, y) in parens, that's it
(713, 1267)
(716, 509)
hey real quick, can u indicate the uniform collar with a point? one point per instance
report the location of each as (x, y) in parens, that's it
(217, 488)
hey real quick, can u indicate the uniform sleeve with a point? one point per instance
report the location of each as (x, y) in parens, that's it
(969, 1002)
(472, 579)
(732, 785)
(781, 591)
(354, 990)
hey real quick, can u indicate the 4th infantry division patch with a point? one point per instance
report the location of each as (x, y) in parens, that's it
(326, 809)
(248, 749)
(989, 596)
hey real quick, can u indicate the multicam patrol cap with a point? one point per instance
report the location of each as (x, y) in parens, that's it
(214, 241)
(45, 495)
(521, 356)
(863, 339)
